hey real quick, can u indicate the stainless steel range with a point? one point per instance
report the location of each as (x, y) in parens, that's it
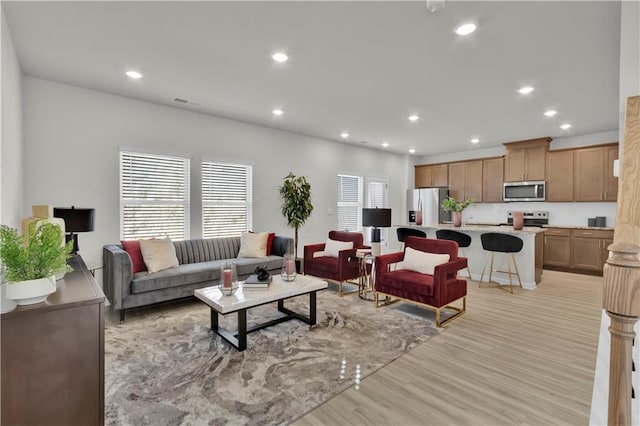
(533, 218)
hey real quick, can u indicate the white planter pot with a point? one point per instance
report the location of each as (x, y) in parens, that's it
(6, 305)
(31, 291)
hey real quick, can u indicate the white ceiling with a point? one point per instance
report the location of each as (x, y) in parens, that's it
(357, 66)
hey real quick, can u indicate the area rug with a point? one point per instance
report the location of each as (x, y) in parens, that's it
(164, 366)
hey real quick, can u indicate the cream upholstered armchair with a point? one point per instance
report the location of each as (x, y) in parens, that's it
(334, 261)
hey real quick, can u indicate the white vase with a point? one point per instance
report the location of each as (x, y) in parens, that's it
(31, 291)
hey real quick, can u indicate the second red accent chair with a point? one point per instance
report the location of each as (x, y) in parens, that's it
(338, 269)
(435, 290)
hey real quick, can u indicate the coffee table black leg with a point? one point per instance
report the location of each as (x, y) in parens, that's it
(312, 308)
(214, 320)
(242, 329)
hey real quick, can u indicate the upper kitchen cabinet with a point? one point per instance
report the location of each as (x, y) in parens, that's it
(525, 160)
(429, 176)
(593, 178)
(492, 179)
(465, 180)
(560, 175)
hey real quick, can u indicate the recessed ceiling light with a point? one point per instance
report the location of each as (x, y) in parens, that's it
(414, 117)
(565, 126)
(279, 57)
(344, 135)
(134, 74)
(550, 113)
(525, 90)
(412, 151)
(385, 144)
(466, 28)
(277, 112)
(475, 140)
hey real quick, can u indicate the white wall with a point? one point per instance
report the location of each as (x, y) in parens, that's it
(11, 152)
(72, 136)
(629, 57)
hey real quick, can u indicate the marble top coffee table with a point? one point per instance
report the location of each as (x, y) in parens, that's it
(242, 299)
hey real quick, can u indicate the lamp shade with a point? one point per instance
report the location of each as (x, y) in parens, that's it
(76, 220)
(379, 218)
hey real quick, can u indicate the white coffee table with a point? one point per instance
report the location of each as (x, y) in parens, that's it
(242, 299)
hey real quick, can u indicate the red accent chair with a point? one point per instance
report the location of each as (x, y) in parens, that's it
(433, 291)
(339, 269)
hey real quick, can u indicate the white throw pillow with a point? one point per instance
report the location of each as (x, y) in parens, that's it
(158, 254)
(253, 245)
(423, 262)
(332, 248)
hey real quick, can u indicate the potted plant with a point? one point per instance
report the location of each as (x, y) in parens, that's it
(296, 203)
(451, 205)
(30, 268)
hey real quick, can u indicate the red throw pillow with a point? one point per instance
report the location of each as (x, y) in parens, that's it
(133, 248)
(270, 238)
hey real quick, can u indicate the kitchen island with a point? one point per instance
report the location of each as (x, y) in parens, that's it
(529, 259)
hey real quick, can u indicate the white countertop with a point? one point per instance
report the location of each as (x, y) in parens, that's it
(606, 228)
(505, 229)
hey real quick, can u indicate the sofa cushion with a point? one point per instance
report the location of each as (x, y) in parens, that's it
(253, 244)
(332, 248)
(133, 249)
(421, 261)
(207, 249)
(408, 281)
(158, 254)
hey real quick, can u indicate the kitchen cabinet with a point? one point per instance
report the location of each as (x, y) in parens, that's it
(560, 175)
(577, 250)
(557, 247)
(465, 180)
(525, 160)
(428, 176)
(593, 176)
(492, 179)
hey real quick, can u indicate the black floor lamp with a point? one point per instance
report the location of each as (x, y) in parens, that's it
(75, 220)
(378, 218)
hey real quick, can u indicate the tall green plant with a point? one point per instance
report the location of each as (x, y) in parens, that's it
(296, 203)
(43, 257)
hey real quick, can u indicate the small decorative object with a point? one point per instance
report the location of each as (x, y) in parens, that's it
(518, 220)
(591, 221)
(30, 268)
(262, 273)
(451, 205)
(419, 212)
(289, 268)
(601, 221)
(228, 278)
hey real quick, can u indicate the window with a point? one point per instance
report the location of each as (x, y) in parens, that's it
(377, 198)
(227, 199)
(349, 203)
(154, 196)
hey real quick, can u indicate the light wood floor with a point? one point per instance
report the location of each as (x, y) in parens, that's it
(526, 358)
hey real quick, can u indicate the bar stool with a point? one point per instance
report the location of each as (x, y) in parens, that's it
(403, 233)
(494, 242)
(463, 241)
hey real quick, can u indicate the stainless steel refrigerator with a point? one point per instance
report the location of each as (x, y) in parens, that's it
(428, 201)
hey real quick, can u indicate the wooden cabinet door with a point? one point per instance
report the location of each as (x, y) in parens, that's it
(422, 176)
(514, 165)
(473, 181)
(557, 250)
(439, 175)
(610, 181)
(559, 175)
(589, 173)
(457, 180)
(535, 163)
(492, 180)
(586, 253)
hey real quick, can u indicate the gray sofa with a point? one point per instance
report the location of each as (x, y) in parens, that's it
(199, 266)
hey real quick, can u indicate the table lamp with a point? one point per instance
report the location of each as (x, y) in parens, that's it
(377, 218)
(75, 220)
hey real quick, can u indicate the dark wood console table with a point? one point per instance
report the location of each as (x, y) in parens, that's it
(52, 356)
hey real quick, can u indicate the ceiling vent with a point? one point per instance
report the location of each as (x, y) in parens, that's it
(186, 102)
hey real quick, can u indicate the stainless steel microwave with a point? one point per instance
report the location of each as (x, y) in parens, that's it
(524, 191)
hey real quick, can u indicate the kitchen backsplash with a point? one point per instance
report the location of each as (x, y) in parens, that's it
(559, 213)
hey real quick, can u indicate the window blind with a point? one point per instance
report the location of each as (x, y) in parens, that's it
(154, 196)
(227, 199)
(376, 194)
(349, 203)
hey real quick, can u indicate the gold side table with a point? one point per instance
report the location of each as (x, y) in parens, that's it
(366, 279)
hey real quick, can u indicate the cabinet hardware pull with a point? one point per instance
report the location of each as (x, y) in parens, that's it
(587, 233)
(605, 195)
